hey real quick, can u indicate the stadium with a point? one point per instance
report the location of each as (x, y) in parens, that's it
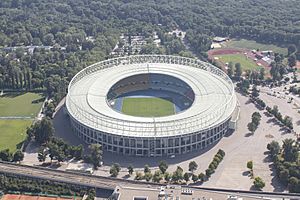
(151, 105)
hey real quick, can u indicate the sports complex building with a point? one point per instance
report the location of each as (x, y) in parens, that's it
(151, 105)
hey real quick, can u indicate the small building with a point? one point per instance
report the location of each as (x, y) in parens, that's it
(220, 39)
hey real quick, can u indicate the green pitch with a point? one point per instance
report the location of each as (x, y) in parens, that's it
(21, 105)
(12, 133)
(246, 63)
(251, 44)
(147, 107)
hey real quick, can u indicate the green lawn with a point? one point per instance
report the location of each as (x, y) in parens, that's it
(147, 107)
(12, 133)
(251, 44)
(21, 105)
(246, 63)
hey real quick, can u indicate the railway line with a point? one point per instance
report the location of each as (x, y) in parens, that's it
(109, 183)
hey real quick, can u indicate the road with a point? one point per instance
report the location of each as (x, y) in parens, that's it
(107, 182)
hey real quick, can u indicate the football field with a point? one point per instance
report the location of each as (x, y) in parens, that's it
(17, 111)
(12, 133)
(147, 107)
(246, 63)
(20, 105)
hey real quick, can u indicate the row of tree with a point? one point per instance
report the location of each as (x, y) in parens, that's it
(286, 121)
(6, 155)
(177, 176)
(57, 149)
(286, 161)
(37, 186)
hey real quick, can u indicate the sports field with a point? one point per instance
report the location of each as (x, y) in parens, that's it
(20, 105)
(246, 63)
(251, 44)
(147, 107)
(12, 132)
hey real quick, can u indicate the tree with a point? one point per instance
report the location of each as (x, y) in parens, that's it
(167, 176)
(178, 174)
(238, 70)
(42, 130)
(194, 178)
(262, 73)
(292, 49)
(230, 69)
(96, 154)
(292, 60)
(255, 92)
(148, 176)
(209, 172)
(193, 166)
(48, 39)
(275, 110)
(252, 127)
(147, 169)
(294, 185)
(18, 156)
(288, 122)
(256, 117)
(130, 169)
(77, 152)
(274, 148)
(113, 171)
(290, 151)
(201, 177)
(163, 166)
(259, 183)
(284, 176)
(42, 155)
(5, 155)
(250, 165)
(186, 177)
(157, 176)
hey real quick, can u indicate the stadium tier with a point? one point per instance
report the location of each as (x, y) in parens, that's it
(206, 90)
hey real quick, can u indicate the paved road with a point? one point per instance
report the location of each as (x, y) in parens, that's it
(103, 182)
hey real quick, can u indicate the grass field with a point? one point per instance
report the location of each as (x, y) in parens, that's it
(12, 132)
(251, 44)
(21, 105)
(247, 64)
(147, 107)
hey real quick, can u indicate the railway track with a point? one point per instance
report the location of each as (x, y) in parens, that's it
(109, 183)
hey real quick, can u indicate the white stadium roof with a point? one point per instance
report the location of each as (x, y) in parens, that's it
(214, 102)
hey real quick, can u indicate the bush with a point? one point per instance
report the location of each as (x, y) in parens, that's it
(259, 183)
(138, 176)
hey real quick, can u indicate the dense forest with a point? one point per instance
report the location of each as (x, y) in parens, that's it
(66, 25)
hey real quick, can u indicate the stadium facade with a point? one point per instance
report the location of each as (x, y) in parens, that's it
(210, 102)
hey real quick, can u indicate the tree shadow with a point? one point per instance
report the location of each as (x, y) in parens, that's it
(39, 100)
(127, 176)
(266, 113)
(246, 173)
(253, 188)
(20, 144)
(13, 94)
(278, 187)
(249, 134)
